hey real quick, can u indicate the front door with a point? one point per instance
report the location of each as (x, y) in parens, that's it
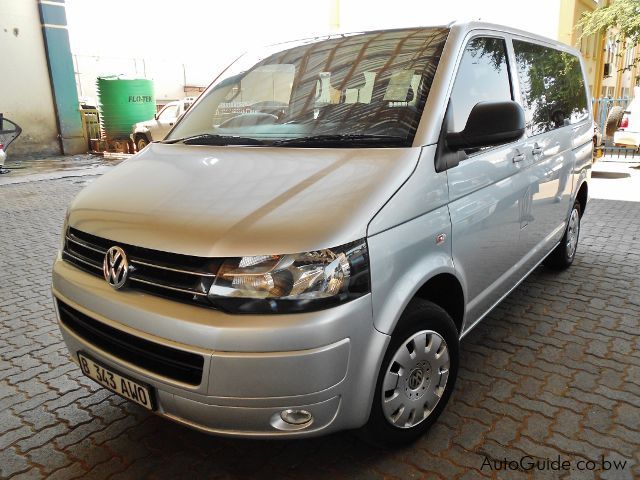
(485, 190)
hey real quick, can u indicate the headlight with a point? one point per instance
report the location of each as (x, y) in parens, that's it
(292, 282)
(65, 227)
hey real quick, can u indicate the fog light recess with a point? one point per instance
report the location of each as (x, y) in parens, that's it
(292, 419)
(296, 417)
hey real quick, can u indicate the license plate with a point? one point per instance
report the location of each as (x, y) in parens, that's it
(123, 386)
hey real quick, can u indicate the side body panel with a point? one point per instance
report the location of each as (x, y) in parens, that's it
(540, 189)
(550, 174)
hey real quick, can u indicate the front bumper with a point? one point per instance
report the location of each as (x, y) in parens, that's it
(254, 366)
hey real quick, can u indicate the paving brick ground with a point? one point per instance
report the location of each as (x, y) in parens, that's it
(555, 370)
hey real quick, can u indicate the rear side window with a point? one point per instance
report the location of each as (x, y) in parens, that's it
(483, 76)
(552, 87)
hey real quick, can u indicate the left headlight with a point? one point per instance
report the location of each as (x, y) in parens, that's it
(292, 282)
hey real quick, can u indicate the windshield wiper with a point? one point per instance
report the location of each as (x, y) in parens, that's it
(346, 140)
(211, 139)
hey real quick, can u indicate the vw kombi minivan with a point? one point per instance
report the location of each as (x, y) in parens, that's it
(305, 250)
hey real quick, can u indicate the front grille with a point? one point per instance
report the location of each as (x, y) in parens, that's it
(179, 277)
(169, 362)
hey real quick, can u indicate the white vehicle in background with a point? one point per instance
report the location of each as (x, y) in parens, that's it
(3, 156)
(626, 122)
(163, 121)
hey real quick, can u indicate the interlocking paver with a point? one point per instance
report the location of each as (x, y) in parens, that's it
(48, 458)
(554, 370)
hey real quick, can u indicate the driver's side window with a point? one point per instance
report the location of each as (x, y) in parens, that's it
(483, 76)
(168, 113)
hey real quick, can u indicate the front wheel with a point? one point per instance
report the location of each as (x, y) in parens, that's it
(416, 378)
(563, 255)
(141, 142)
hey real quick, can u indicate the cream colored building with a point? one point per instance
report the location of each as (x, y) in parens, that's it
(611, 69)
(37, 87)
(25, 89)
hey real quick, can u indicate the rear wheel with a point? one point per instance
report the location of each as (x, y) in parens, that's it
(416, 378)
(563, 255)
(141, 142)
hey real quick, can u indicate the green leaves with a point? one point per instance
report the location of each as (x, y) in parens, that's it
(621, 17)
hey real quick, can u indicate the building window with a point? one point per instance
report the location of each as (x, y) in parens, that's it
(628, 54)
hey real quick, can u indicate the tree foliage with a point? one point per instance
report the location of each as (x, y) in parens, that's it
(622, 16)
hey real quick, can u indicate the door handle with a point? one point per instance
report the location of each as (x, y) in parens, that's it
(518, 158)
(537, 150)
(171, 124)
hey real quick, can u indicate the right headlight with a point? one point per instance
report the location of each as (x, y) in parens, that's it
(292, 282)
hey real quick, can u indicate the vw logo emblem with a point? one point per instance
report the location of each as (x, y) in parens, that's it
(115, 267)
(415, 378)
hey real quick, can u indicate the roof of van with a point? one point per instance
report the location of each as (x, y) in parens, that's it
(480, 25)
(469, 25)
(461, 25)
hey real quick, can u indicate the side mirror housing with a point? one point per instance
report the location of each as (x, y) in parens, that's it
(489, 123)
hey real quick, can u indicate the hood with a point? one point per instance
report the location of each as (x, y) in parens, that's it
(234, 201)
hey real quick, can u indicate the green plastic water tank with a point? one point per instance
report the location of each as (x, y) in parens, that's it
(123, 102)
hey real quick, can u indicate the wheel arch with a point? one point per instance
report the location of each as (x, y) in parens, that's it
(582, 196)
(445, 290)
(146, 136)
(443, 287)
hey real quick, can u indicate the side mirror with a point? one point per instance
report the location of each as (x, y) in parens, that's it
(489, 123)
(155, 117)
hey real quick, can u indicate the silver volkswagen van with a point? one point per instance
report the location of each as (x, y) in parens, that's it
(305, 250)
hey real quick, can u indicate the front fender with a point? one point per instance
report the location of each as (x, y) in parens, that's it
(403, 259)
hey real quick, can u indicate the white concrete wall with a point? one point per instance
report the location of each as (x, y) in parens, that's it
(25, 91)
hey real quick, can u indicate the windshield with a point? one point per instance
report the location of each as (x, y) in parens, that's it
(344, 90)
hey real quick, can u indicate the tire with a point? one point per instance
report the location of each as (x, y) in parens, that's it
(563, 255)
(415, 385)
(141, 142)
(613, 121)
